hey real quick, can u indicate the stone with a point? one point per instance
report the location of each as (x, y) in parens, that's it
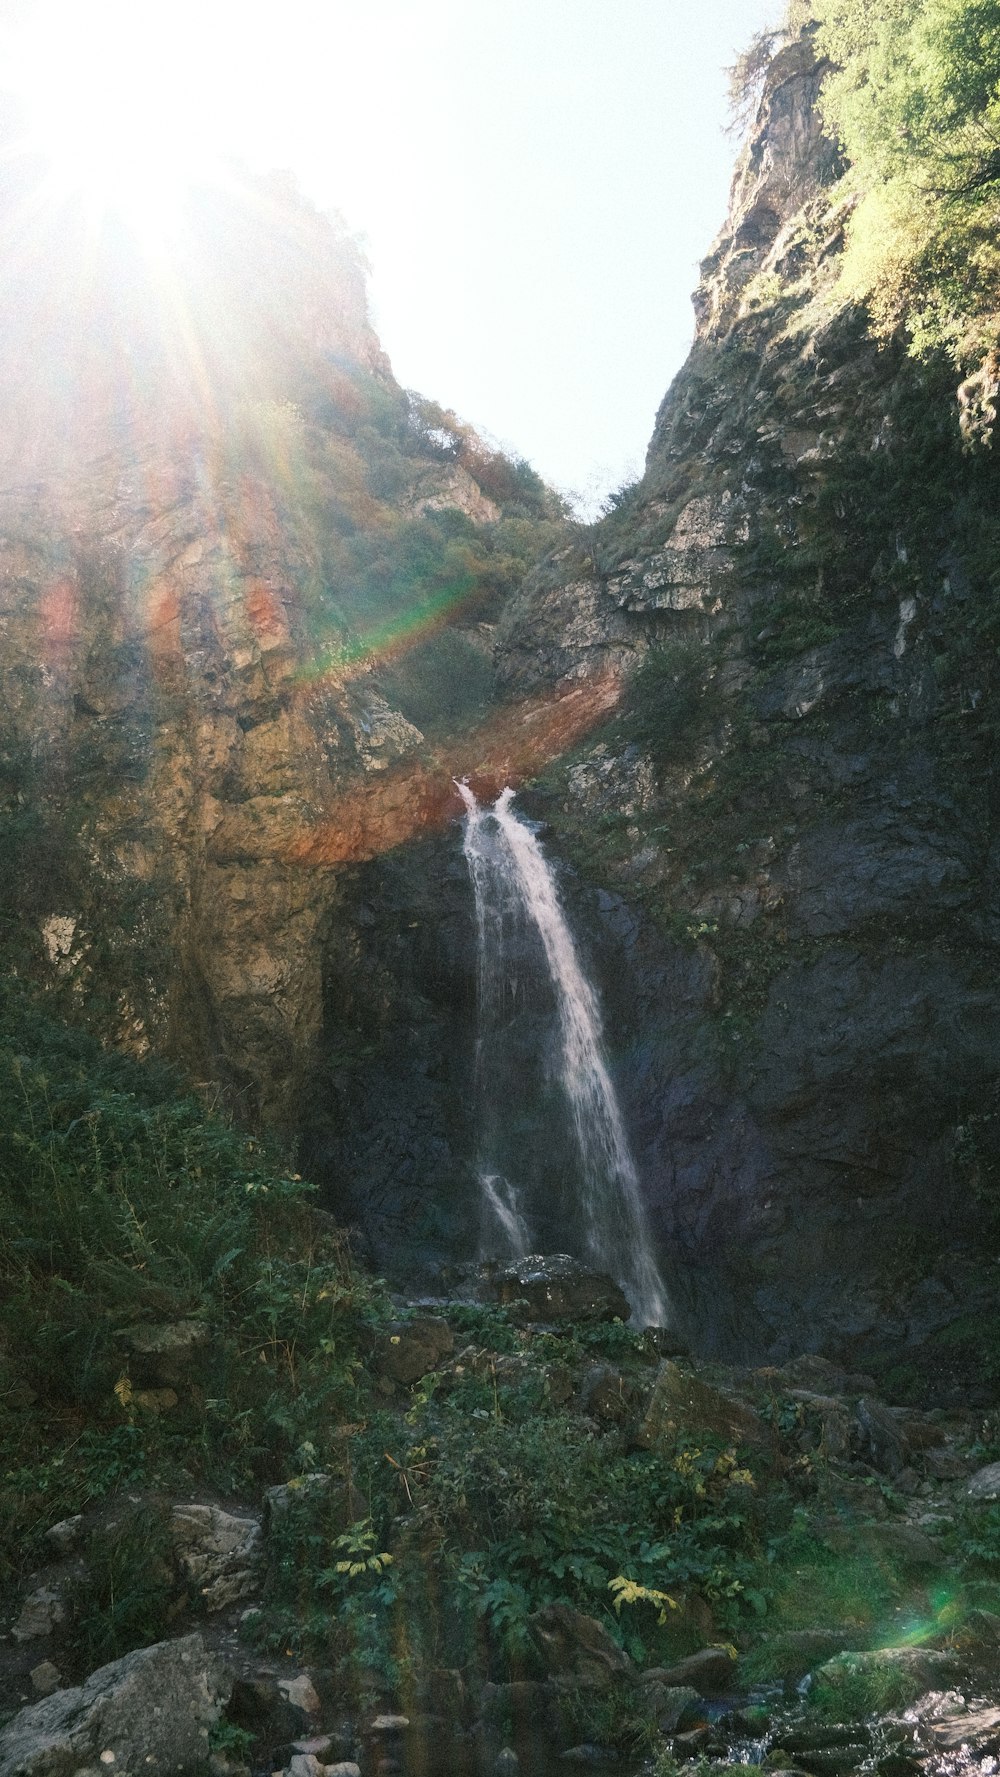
(577, 1647)
(304, 1764)
(881, 1439)
(834, 1419)
(610, 1397)
(795, 1652)
(155, 1400)
(45, 1678)
(667, 1703)
(977, 1730)
(901, 1545)
(300, 1692)
(711, 1672)
(42, 1611)
(389, 1724)
(344, 1767)
(985, 1483)
(682, 1399)
(153, 1708)
(167, 1349)
(914, 1668)
(66, 1536)
(411, 1348)
(556, 1287)
(217, 1551)
(257, 1705)
(506, 1763)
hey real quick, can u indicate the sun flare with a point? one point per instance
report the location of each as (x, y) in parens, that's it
(115, 107)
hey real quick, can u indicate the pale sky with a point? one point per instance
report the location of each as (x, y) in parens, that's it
(534, 180)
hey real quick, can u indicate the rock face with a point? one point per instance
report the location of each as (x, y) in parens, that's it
(152, 1709)
(780, 843)
(200, 590)
(770, 676)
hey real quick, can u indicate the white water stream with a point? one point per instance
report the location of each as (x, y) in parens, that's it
(515, 887)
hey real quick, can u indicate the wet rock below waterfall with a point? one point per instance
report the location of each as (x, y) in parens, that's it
(555, 1287)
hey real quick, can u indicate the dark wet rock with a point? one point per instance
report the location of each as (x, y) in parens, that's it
(557, 1287)
(410, 1348)
(578, 1648)
(152, 1709)
(835, 1759)
(682, 1399)
(711, 1672)
(692, 1741)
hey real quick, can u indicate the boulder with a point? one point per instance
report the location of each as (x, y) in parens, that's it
(45, 1678)
(412, 1347)
(217, 1551)
(977, 1730)
(42, 1612)
(680, 1399)
(667, 1704)
(985, 1483)
(880, 1437)
(710, 1672)
(556, 1287)
(150, 1710)
(577, 1648)
(610, 1397)
(896, 1674)
(166, 1351)
(795, 1652)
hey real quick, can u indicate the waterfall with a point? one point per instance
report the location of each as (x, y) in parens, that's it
(517, 903)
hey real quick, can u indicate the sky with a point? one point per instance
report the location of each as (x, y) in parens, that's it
(534, 181)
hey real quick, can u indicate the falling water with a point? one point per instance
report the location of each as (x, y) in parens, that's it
(515, 887)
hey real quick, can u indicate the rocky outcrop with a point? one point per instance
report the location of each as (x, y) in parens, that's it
(151, 1709)
(220, 592)
(795, 914)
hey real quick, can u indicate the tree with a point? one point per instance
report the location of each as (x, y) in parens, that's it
(915, 103)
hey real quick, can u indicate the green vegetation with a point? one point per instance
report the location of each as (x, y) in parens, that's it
(915, 101)
(123, 1206)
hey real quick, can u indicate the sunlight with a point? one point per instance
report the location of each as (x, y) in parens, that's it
(117, 105)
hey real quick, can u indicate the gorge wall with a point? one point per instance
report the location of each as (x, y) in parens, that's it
(245, 650)
(791, 815)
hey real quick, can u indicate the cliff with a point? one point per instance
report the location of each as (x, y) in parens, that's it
(789, 817)
(242, 573)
